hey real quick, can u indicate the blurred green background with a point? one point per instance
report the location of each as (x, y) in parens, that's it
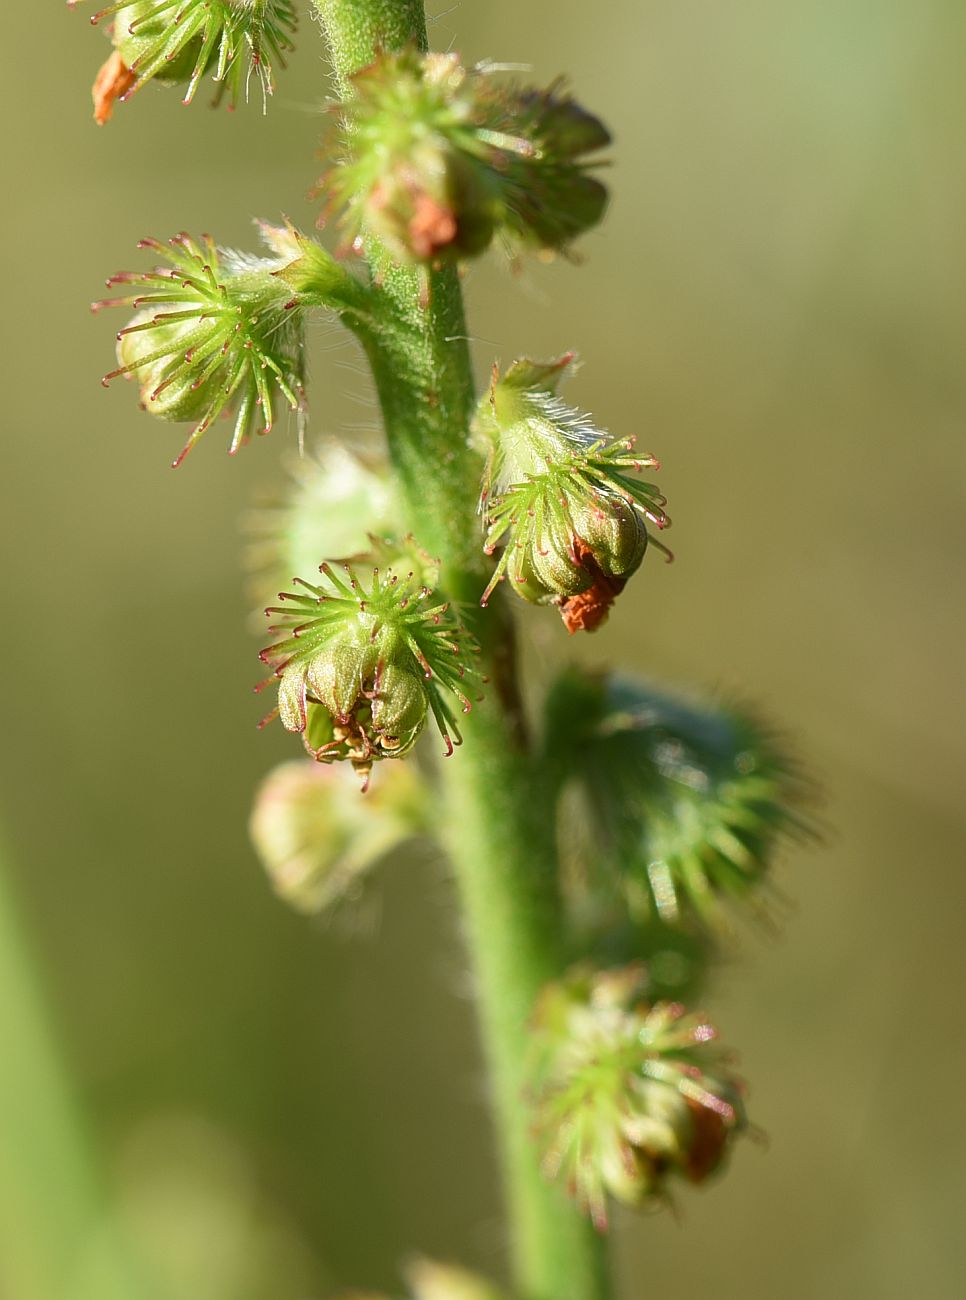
(777, 306)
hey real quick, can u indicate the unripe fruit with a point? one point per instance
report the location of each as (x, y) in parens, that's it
(441, 158)
(557, 498)
(227, 336)
(362, 668)
(176, 42)
(627, 1093)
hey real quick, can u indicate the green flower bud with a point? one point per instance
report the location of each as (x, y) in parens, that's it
(627, 1093)
(441, 157)
(557, 497)
(232, 336)
(431, 1281)
(177, 41)
(335, 501)
(688, 803)
(360, 670)
(317, 843)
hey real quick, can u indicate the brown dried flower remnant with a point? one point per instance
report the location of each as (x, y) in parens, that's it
(112, 83)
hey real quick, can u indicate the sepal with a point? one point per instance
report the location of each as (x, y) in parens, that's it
(312, 273)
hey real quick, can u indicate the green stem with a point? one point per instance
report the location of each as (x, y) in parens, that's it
(502, 845)
(357, 30)
(421, 365)
(499, 835)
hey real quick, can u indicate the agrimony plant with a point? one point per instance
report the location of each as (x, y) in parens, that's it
(591, 852)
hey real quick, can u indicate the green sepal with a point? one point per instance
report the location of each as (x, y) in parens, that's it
(525, 373)
(140, 35)
(315, 277)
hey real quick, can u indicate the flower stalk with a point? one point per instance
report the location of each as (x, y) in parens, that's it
(502, 850)
(596, 859)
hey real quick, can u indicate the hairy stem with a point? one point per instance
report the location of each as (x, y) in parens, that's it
(501, 843)
(500, 838)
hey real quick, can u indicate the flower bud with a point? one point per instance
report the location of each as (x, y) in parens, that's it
(334, 502)
(431, 1281)
(688, 802)
(317, 842)
(442, 157)
(557, 497)
(627, 1093)
(229, 337)
(359, 670)
(177, 41)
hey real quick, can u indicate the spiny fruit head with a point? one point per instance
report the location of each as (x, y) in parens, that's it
(360, 668)
(176, 42)
(440, 158)
(627, 1093)
(558, 499)
(228, 336)
(690, 801)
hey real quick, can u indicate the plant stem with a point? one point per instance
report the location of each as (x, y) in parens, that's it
(501, 843)
(500, 837)
(421, 366)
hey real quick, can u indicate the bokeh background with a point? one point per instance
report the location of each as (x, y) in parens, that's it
(238, 1103)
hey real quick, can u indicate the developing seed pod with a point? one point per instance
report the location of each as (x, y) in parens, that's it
(558, 498)
(317, 843)
(688, 802)
(360, 669)
(627, 1094)
(232, 337)
(439, 158)
(177, 41)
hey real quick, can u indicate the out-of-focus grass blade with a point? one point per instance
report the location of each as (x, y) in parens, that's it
(57, 1241)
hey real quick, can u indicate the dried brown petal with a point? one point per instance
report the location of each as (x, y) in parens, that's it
(113, 81)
